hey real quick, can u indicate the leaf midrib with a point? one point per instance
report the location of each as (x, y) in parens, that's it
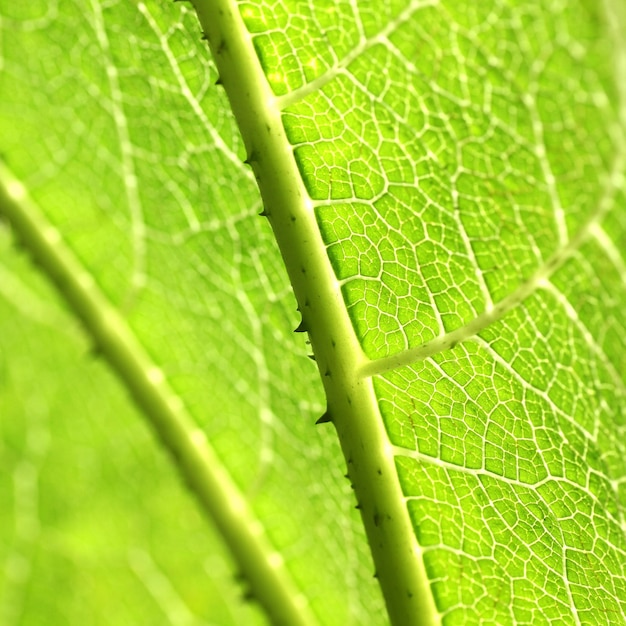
(352, 404)
(165, 411)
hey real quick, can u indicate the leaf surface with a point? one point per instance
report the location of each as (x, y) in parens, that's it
(468, 247)
(448, 178)
(119, 148)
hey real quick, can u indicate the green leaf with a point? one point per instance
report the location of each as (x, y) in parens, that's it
(445, 182)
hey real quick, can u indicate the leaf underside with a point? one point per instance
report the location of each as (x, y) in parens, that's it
(465, 165)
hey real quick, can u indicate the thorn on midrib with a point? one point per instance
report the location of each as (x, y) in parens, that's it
(324, 419)
(253, 157)
(302, 328)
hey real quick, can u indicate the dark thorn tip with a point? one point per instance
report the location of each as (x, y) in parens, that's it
(251, 158)
(324, 419)
(302, 328)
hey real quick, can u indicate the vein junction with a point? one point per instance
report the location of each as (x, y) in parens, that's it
(539, 280)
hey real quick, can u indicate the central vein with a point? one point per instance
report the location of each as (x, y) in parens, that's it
(352, 405)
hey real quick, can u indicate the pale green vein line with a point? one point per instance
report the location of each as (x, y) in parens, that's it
(29, 305)
(31, 24)
(161, 589)
(615, 181)
(352, 403)
(22, 554)
(196, 107)
(449, 340)
(382, 37)
(530, 102)
(616, 21)
(164, 410)
(608, 246)
(541, 393)
(532, 487)
(586, 334)
(266, 417)
(590, 437)
(129, 176)
(474, 472)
